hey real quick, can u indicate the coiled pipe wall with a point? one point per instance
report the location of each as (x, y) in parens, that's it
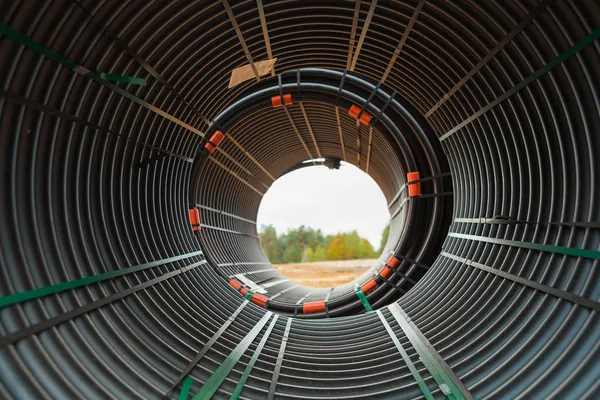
(108, 293)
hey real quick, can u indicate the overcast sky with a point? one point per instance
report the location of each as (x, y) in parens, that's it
(332, 200)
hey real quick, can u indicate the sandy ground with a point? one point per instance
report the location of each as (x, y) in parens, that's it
(325, 274)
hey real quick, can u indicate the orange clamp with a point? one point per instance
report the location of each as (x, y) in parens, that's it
(214, 141)
(393, 261)
(368, 285)
(365, 117)
(244, 290)
(194, 219)
(414, 189)
(276, 101)
(386, 272)
(313, 307)
(235, 284)
(259, 299)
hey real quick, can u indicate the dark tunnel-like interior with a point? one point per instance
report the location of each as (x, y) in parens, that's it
(131, 176)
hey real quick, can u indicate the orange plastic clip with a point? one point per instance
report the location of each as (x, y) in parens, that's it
(365, 117)
(393, 261)
(368, 285)
(313, 307)
(259, 299)
(276, 101)
(194, 219)
(386, 272)
(414, 189)
(214, 141)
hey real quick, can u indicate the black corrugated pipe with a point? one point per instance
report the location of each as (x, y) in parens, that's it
(109, 290)
(422, 228)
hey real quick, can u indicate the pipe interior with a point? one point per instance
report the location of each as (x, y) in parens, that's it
(496, 101)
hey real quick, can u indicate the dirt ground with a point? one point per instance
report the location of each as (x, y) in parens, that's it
(326, 273)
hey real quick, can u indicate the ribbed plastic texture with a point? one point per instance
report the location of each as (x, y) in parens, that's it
(93, 182)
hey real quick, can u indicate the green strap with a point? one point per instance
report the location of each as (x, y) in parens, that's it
(582, 301)
(185, 390)
(279, 362)
(214, 382)
(248, 296)
(406, 358)
(26, 41)
(569, 251)
(123, 78)
(207, 346)
(430, 358)
(532, 78)
(246, 374)
(509, 221)
(363, 299)
(59, 287)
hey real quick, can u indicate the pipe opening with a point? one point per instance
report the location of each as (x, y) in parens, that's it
(315, 220)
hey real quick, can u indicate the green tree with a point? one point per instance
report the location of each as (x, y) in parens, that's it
(292, 244)
(337, 250)
(317, 254)
(352, 241)
(366, 250)
(310, 254)
(292, 254)
(320, 254)
(295, 242)
(270, 244)
(307, 244)
(328, 240)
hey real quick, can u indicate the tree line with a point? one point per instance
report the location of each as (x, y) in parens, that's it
(305, 244)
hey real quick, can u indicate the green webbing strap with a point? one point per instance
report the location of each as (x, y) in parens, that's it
(248, 296)
(36, 328)
(214, 382)
(537, 10)
(27, 42)
(279, 363)
(122, 78)
(59, 287)
(510, 221)
(185, 390)
(124, 46)
(532, 78)
(582, 301)
(185, 372)
(246, 374)
(406, 358)
(363, 299)
(569, 251)
(448, 382)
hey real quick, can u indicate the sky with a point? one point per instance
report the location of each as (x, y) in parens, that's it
(331, 200)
